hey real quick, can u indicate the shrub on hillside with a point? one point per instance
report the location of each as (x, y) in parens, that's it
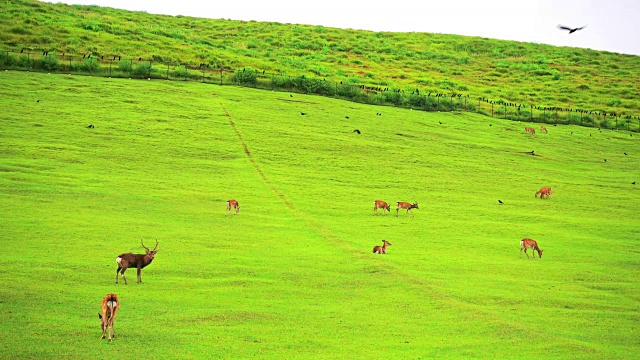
(8, 60)
(88, 65)
(49, 63)
(142, 70)
(124, 66)
(246, 76)
(181, 72)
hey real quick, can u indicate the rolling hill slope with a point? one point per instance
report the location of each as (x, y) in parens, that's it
(528, 73)
(293, 276)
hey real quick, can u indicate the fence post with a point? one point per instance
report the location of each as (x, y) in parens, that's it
(505, 111)
(167, 71)
(202, 75)
(220, 76)
(492, 109)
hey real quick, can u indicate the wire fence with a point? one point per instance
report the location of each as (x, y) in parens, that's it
(139, 68)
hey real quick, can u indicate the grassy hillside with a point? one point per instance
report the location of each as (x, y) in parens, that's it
(528, 73)
(292, 276)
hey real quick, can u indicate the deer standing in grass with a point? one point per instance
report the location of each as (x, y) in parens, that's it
(110, 307)
(406, 205)
(543, 128)
(527, 243)
(381, 249)
(232, 204)
(137, 261)
(530, 130)
(545, 191)
(379, 204)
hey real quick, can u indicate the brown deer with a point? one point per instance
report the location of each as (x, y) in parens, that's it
(406, 205)
(527, 243)
(530, 130)
(110, 307)
(381, 249)
(232, 204)
(545, 191)
(138, 261)
(544, 128)
(379, 204)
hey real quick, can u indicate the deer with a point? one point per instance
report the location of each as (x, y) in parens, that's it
(527, 243)
(232, 204)
(530, 130)
(545, 191)
(138, 261)
(379, 204)
(110, 307)
(381, 249)
(406, 205)
(544, 128)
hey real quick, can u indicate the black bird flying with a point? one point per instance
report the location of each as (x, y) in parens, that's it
(571, 30)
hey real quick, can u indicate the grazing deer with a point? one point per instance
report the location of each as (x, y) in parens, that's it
(545, 191)
(381, 249)
(110, 307)
(379, 204)
(138, 261)
(530, 130)
(544, 128)
(406, 205)
(527, 243)
(232, 204)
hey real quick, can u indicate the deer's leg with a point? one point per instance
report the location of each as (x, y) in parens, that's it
(118, 272)
(139, 278)
(123, 277)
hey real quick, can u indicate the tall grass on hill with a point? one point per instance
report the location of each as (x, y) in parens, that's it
(293, 276)
(513, 72)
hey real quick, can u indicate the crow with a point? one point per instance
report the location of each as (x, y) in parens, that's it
(571, 31)
(346, 117)
(500, 202)
(90, 126)
(625, 154)
(290, 95)
(303, 113)
(633, 183)
(356, 131)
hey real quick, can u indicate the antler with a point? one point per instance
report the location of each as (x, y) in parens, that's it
(154, 249)
(146, 248)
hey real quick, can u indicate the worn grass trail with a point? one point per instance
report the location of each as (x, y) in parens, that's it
(293, 275)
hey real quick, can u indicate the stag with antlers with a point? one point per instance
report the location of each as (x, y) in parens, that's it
(138, 261)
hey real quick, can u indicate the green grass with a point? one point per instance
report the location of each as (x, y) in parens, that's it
(292, 276)
(516, 72)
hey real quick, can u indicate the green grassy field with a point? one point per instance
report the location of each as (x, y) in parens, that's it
(293, 276)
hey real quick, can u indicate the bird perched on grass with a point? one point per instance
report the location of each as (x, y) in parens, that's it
(303, 113)
(500, 202)
(356, 131)
(571, 30)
